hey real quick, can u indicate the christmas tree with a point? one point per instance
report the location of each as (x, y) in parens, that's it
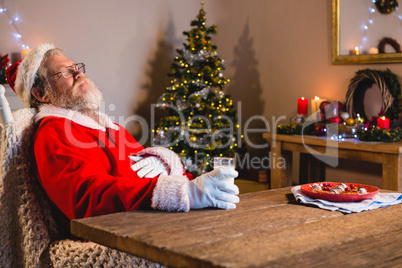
(201, 122)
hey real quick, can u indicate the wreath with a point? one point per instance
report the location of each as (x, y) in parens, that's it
(389, 41)
(386, 6)
(390, 90)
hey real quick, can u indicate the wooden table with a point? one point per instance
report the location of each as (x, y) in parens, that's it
(389, 155)
(267, 229)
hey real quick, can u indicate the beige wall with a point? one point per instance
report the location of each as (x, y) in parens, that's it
(275, 51)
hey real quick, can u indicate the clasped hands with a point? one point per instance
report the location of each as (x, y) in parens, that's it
(148, 167)
(212, 189)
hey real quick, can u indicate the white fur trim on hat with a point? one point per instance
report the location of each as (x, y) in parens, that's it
(27, 70)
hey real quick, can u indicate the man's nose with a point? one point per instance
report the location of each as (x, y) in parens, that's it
(78, 74)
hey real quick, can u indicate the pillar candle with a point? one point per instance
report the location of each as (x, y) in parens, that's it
(315, 104)
(302, 106)
(383, 122)
(356, 51)
(373, 50)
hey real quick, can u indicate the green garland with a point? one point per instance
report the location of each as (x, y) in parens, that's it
(295, 129)
(381, 135)
(373, 135)
(390, 90)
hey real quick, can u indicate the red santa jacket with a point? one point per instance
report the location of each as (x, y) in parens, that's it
(83, 166)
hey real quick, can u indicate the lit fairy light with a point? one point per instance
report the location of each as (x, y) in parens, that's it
(366, 26)
(14, 21)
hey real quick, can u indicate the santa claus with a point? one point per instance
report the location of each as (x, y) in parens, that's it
(88, 165)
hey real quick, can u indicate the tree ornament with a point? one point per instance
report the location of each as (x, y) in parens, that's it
(359, 119)
(322, 106)
(350, 122)
(335, 120)
(345, 116)
(193, 138)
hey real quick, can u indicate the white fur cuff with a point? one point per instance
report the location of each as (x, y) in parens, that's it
(171, 194)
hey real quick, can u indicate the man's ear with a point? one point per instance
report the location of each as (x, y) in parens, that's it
(38, 94)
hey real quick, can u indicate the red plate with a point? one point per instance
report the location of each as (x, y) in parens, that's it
(344, 197)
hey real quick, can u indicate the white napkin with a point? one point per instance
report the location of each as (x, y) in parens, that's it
(378, 201)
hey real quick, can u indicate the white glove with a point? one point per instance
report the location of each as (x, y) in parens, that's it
(148, 167)
(212, 190)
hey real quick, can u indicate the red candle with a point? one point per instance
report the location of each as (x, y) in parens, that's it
(302, 106)
(383, 122)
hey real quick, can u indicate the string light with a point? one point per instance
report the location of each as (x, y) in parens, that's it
(366, 26)
(14, 21)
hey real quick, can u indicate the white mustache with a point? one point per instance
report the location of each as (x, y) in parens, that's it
(80, 80)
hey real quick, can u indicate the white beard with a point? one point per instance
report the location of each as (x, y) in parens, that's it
(87, 101)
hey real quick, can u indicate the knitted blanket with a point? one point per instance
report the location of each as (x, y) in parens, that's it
(28, 232)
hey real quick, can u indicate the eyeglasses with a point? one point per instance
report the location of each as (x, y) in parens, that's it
(69, 71)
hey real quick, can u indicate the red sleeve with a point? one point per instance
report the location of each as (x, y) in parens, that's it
(85, 182)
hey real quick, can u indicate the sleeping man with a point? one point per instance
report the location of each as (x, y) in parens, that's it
(86, 164)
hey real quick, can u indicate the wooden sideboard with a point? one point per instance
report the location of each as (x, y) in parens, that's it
(388, 154)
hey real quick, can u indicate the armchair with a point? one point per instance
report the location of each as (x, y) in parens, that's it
(28, 232)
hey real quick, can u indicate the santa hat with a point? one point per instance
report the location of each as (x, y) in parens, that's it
(22, 74)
